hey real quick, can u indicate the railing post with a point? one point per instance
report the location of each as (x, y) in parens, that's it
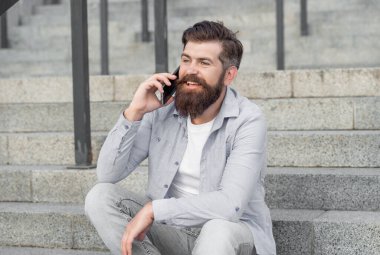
(303, 13)
(3, 31)
(6, 4)
(104, 37)
(145, 36)
(161, 35)
(81, 95)
(280, 34)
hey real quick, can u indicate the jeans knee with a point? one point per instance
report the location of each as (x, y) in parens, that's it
(223, 237)
(217, 228)
(97, 198)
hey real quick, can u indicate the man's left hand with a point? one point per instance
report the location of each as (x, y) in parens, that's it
(137, 228)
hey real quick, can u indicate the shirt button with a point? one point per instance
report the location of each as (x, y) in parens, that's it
(176, 163)
(158, 139)
(237, 209)
(166, 186)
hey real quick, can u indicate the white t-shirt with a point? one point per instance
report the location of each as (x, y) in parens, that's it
(186, 181)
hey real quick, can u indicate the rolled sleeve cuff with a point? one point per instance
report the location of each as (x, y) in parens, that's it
(162, 209)
(126, 125)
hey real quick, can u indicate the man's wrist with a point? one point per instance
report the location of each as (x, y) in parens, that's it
(132, 114)
(149, 210)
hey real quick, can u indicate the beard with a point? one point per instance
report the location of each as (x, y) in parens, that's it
(195, 102)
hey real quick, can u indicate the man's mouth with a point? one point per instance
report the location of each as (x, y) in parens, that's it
(191, 83)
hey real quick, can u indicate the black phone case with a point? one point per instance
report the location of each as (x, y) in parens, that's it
(169, 91)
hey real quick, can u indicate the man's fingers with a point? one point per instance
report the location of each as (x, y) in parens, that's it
(123, 246)
(158, 85)
(165, 77)
(129, 246)
(126, 245)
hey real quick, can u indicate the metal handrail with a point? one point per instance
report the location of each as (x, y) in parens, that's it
(81, 76)
(145, 36)
(303, 16)
(104, 61)
(161, 35)
(280, 35)
(3, 31)
(4, 6)
(280, 38)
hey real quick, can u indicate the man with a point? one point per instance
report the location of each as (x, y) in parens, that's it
(207, 157)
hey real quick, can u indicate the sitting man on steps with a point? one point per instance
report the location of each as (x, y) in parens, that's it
(207, 160)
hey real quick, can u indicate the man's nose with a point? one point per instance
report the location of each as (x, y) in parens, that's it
(191, 69)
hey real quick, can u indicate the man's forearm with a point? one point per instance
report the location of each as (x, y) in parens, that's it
(115, 152)
(133, 115)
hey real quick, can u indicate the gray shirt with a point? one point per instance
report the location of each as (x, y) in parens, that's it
(232, 169)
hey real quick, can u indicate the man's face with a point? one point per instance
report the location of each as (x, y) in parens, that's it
(201, 78)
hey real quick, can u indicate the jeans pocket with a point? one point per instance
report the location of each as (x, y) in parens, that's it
(128, 206)
(194, 232)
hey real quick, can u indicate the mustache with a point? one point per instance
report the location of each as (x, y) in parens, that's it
(191, 78)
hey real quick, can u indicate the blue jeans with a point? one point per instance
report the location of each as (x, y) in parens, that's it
(110, 208)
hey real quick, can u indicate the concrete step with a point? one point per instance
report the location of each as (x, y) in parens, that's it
(46, 251)
(281, 114)
(369, 14)
(45, 35)
(259, 85)
(64, 54)
(57, 184)
(47, 226)
(323, 188)
(333, 58)
(326, 232)
(296, 231)
(328, 5)
(344, 43)
(117, 66)
(285, 148)
(286, 188)
(324, 148)
(362, 29)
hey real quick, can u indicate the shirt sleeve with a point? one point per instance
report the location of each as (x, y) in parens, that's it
(242, 171)
(125, 147)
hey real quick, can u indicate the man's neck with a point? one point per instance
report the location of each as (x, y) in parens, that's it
(211, 112)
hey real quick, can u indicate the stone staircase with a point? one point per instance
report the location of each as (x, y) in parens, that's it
(342, 34)
(323, 180)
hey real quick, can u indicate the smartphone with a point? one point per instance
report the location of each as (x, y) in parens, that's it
(169, 91)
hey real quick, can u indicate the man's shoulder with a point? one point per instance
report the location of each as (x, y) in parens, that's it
(248, 109)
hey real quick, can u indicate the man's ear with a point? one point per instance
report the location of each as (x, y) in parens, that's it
(230, 75)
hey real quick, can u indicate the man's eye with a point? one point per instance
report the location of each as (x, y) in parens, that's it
(185, 60)
(205, 63)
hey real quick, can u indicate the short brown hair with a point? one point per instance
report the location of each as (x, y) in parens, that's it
(215, 31)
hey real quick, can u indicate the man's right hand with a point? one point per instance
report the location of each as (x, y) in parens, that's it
(145, 99)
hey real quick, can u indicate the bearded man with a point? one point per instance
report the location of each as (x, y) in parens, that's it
(207, 160)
